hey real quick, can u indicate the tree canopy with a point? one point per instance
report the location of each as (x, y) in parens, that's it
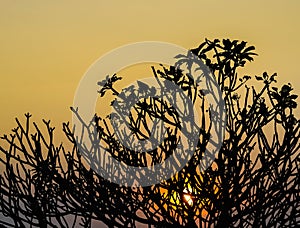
(252, 182)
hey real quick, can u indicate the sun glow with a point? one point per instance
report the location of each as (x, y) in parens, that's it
(192, 196)
(188, 197)
(184, 198)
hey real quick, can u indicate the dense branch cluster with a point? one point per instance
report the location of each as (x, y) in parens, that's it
(253, 181)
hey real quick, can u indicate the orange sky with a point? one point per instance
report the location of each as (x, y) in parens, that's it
(46, 46)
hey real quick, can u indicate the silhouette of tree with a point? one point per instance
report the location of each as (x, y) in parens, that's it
(253, 181)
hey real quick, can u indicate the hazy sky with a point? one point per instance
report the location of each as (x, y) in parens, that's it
(46, 46)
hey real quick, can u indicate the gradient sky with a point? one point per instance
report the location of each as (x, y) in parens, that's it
(46, 46)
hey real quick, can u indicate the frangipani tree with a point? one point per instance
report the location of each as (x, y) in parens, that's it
(253, 181)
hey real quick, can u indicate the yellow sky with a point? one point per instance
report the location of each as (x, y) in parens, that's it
(46, 46)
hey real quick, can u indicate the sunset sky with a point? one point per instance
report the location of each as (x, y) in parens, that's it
(47, 46)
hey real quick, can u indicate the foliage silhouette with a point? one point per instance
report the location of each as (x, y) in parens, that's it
(253, 181)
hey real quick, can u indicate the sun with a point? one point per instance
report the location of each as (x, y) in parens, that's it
(184, 198)
(188, 197)
(191, 196)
